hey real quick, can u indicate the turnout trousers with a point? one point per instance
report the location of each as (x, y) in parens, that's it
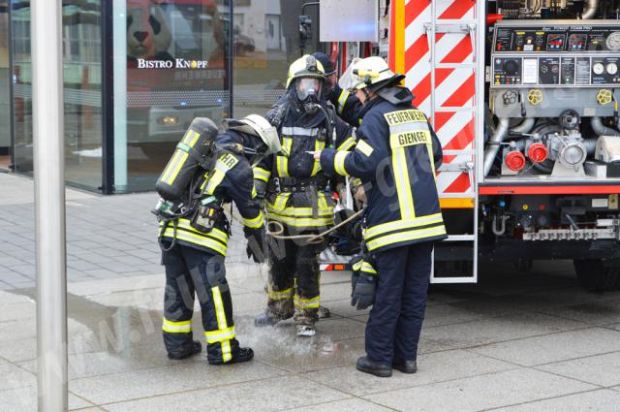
(395, 321)
(294, 282)
(198, 273)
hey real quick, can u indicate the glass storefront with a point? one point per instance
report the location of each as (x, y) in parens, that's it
(82, 91)
(266, 41)
(176, 69)
(5, 91)
(260, 59)
(138, 71)
(22, 86)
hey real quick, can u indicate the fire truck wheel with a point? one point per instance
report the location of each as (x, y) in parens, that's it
(594, 276)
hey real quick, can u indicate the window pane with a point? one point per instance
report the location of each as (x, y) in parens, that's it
(176, 70)
(82, 91)
(266, 41)
(22, 87)
(5, 96)
(83, 114)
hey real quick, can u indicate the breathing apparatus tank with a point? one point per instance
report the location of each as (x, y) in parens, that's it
(192, 152)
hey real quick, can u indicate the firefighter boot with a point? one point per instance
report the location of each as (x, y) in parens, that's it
(305, 323)
(380, 369)
(324, 312)
(409, 366)
(185, 351)
(276, 311)
(306, 331)
(241, 355)
(269, 318)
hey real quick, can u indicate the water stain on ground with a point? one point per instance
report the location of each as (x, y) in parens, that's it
(113, 329)
(134, 333)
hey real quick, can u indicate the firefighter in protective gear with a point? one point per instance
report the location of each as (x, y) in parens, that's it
(347, 105)
(396, 157)
(296, 194)
(194, 240)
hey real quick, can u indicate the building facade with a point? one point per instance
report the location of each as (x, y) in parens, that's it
(136, 72)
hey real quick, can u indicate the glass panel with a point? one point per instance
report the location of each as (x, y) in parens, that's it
(22, 87)
(82, 90)
(5, 92)
(266, 41)
(83, 114)
(176, 69)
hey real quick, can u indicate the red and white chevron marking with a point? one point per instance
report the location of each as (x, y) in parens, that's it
(454, 87)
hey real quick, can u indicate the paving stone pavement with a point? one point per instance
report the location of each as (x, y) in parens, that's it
(514, 342)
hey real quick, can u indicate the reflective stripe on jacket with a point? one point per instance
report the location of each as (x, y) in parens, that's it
(395, 157)
(301, 133)
(230, 180)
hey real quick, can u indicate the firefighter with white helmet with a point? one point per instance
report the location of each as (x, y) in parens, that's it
(194, 231)
(297, 194)
(396, 156)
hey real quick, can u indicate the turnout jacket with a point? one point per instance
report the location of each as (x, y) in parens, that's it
(230, 180)
(306, 207)
(396, 157)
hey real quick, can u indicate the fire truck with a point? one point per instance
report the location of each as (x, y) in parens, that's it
(523, 95)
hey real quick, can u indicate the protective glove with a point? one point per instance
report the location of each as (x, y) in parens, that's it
(364, 291)
(355, 229)
(256, 248)
(261, 189)
(356, 265)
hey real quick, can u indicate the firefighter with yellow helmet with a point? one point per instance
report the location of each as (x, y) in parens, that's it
(206, 171)
(396, 156)
(297, 193)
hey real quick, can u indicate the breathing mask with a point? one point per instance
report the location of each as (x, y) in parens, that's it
(308, 90)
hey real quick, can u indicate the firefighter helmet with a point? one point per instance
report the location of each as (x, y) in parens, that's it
(260, 127)
(328, 65)
(305, 66)
(372, 72)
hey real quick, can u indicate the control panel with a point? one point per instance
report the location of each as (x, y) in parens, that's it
(556, 53)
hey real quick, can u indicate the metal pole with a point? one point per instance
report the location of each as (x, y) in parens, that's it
(49, 205)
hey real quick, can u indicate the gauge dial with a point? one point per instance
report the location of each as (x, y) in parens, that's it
(612, 68)
(613, 41)
(598, 68)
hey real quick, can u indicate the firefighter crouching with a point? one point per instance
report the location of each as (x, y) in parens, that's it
(396, 157)
(206, 171)
(296, 194)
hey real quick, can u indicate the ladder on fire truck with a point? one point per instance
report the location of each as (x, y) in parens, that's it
(442, 54)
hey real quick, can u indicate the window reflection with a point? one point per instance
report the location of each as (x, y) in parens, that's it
(81, 37)
(176, 70)
(83, 92)
(266, 41)
(5, 95)
(175, 64)
(22, 86)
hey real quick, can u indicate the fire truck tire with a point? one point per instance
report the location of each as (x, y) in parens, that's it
(594, 276)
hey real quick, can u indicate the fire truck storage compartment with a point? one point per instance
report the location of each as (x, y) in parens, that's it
(554, 96)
